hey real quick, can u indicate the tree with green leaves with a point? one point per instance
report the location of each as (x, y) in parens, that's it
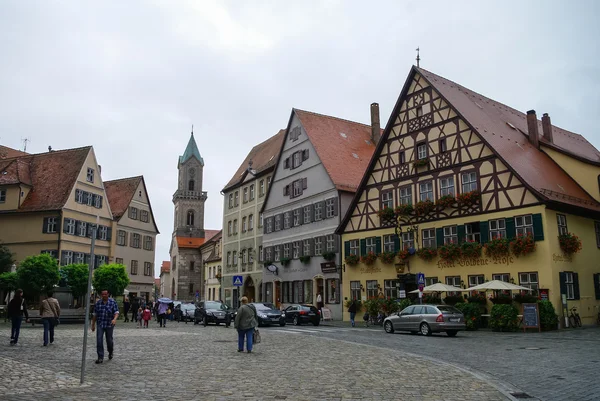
(9, 281)
(38, 274)
(76, 278)
(6, 259)
(112, 277)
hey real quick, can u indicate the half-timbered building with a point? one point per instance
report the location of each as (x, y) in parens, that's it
(454, 172)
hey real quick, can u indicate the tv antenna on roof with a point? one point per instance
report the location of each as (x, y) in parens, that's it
(25, 142)
(418, 57)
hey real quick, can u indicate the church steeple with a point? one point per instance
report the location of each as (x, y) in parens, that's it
(191, 150)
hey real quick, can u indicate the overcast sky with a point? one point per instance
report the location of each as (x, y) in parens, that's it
(131, 77)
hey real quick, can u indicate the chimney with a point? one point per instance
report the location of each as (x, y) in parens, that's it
(547, 128)
(49, 148)
(532, 128)
(375, 125)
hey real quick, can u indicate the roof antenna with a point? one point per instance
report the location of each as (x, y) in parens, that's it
(192, 129)
(25, 141)
(418, 58)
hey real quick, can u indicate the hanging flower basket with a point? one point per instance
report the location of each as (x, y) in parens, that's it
(468, 198)
(424, 207)
(569, 243)
(404, 210)
(305, 259)
(497, 247)
(427, 254)
(352, 260)
(523, 245)
(471, 249)
(449, 252)
(421, 162)
(369, 259)
(285, 261)
(403, 254)
(387, 257)
(328, 255)
(445, 201)
(387, 213)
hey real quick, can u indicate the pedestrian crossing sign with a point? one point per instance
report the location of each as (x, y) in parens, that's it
(237, 281)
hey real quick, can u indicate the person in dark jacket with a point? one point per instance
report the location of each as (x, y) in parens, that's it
(126, 306)
(17, 307)
(352, 309)
(135, 305)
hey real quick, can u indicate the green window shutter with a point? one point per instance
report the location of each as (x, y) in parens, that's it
(576, 285)
(346, 249)
(460, 229)
(45, 226)
(510, 228)
(439, 236)
(363, 247)
(396, 243)
(484, 231)
(538, 228)
(377, 245)
(597, 285)
(563, 282)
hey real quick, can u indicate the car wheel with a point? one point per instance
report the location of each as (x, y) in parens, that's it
(196, 321)
(205, 321)
(389, 328)
(316, 323)
(425, 330)
(282, 323)
(452, 333)
(296, 321)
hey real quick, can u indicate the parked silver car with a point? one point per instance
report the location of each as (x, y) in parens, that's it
(426, 319)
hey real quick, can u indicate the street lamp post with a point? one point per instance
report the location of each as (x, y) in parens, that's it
(94, 228)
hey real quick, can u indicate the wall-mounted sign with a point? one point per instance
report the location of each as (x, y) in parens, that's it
(562, 258)
(544, 294)
(503, 261)
(329, 267)
(370, 270)
(402, 294)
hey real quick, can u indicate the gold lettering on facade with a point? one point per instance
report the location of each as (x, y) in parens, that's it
(370, 270)
(474, 262)
(562, 258)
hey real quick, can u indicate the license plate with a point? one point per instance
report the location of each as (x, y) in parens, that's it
(311, 314)
(275, 319)
(456, 319)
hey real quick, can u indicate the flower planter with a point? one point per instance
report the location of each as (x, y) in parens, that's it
(387, 213)
(569, 243)
(449, 252)
(427, 254)
(497, 248)
(424, 207)
(285, 261)
(369, 259)
(421, 163)
(403, 254)
(523, 245)
(468, 198)
(305, 259)
(329, 256)
(352, 260)
(471, 249)
(445, 201)
(404, 210)
(387, 257)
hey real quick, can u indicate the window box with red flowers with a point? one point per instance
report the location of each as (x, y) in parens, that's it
(468, 198)
(369, 259)
(403, 254)
(471, 249)
(352, 260)
(424, 207)
(421, 162)
(497, 247)
(387, 257)
(404, 210)
(427, 254)
(449, 252)
(387, 213)
(569, 243)
(446, 201)
(523, 245)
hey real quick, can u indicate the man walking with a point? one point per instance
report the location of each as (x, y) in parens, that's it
(106, 313)
(135, 305)
(126, 306)
(17, 307)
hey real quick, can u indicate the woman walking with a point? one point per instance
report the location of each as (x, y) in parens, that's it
(49, 312)
(245, 322)
(352, 310)
(17, 307)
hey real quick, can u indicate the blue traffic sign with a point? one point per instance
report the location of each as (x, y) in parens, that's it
(421, 278)
(238, 281)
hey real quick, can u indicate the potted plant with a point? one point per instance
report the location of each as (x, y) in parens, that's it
(404, 210)
(423, 208)
(453, 299)
(471, 249)
(468, 198)
(387, 257)
(352, 260)
(387, 213)
(328, 255)
(477, 299)
(497, 247)
(449, 252)
(305, 259)
(427, 254)
(285, 261)
(502, 299)
(421, 162)
(403, 254)
(523, 245)
(569, 243)
(432, 299)
(523, 298)
(445, 201)
(369, 259)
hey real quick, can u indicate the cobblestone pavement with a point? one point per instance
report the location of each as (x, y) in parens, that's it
(184, 362)
(557, 365)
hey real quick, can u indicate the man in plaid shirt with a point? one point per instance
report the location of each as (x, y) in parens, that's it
(106, 312)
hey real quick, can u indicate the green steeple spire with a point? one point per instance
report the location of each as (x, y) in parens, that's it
(191, 150)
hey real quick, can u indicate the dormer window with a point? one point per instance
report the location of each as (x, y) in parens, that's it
(90, 174)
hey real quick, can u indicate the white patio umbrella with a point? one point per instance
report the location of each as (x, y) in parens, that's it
(497, 285)
(439, 287)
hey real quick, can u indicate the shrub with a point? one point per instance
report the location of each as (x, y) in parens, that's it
(569, 243)
(389, 306)
(523, 245)
(497, 247)
(468, 198)
(432, 299)
(548, 317)
(424, 207)
(472, 312)
(502, 299)
(477, 299)
(449, 252)
(471, 249)
(404, 210)
(305, 259)
(369, 258)
(285, 261)
(405, 303)
(358, 304)
(453, 299)
(387, 213)
(352, 260)
(387, 257)
(504, 318)
(328, 255)
(526, 299)
(373, 306)
(445, 201)
(427, 254)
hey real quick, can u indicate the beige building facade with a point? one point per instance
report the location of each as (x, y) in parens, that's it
(212, 261)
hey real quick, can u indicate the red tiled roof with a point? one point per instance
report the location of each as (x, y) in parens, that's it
(52, 176)
(8, 153)
(211, 234)
(165, 267)
(194, 242)
(493, 121)
(157, 282)
(344, 147)
(119, 194)
(263, 156)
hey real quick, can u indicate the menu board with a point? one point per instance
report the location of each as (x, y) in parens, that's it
(531, 316)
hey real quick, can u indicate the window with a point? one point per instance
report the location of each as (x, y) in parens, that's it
(472, 232)
(330, 208)
(318, 211)
(79, 195)
(235, 227)
(133, 213)
(388, 243)
(246, 195)
(431, 280)
(453, 281)
(118, 261)
(190, 218)
(297, 217)
(306, 247)
(148, 243)
(97, 201)
(244, 257)
(450, 235)
(252, 192)
(476, 280)
(101, 260)
(319, 246)
(230, 201)
(402, 158)
(235, 259)
(250, 256)
(270, 225)
(330, 243)
(429, 238)
(390, 288)
(261, 256)
(134, 267)
(443, 147)
(371, 289)
(191, 185)
(260, 220)
(90, 199)
(501, 277)
(408, 240)
(370, 244)
(90, 174)
(524, 225)
(251, 222)
(278, 222)
(67, 257)
(355, 290)
(422, 151)
(228, 258)
(103, 233)
(387, 200)
(497, 229)
(70, 226)
(244, 224)
(277, 252)
(236, 198)
(469, 182)
(297, 188)
(406, 195)
(447, 186)
(136, 241)
(229, 228)
(268, 254)
(2, 195)
(296, 159)
(562, 224)
(51, 225)
(286, 251)
(287, 216)
(296, 249)
(144, 216)
(569, 284)
(529, 280)
(426, 191)
(261, 188)
(147, 269)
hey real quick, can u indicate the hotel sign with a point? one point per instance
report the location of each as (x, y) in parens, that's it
(462, 262)
(329, 267)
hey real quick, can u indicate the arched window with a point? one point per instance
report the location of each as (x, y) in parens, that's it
(190, 218)
(191, 185)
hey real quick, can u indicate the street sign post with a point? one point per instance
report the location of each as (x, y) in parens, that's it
(238, 281)
(421, 284)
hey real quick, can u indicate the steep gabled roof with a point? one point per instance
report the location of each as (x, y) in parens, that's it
(9, 153)
(120, 193)
(52, 176)
(191, 150)
(263, 156)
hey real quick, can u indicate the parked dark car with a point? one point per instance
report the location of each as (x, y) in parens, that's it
(426, 319)
(268, 314)
(185, 312)
(299, 314)
(213, 312)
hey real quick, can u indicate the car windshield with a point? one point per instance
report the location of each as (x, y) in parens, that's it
(214, 305)
(188, 306)
(448, 309)
(307, 308)
(264, 306)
